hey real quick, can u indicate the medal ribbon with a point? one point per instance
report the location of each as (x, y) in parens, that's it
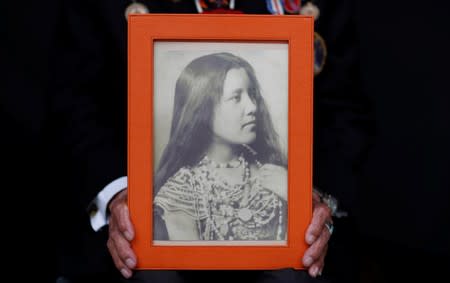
(215, 6)
(275, 7)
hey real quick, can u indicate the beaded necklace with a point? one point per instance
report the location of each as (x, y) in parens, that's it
(228, 205)
(231, 164)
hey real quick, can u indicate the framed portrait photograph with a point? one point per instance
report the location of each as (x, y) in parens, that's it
(220, 140)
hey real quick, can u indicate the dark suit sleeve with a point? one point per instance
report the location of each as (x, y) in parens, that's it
(90, 119)
(340, 109)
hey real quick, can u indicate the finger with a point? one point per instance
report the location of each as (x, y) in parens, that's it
(120, 265)
(120, 213)
(321, 261)
(116, 258)
(316, 197)
(121, 247)
(321, 214)
(315, 251)
(124, 222)
(317, 267)
(124, 251)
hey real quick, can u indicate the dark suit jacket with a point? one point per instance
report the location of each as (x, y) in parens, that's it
(55, 152)
(405, 198)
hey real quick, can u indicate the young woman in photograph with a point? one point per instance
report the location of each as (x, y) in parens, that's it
(222, 175)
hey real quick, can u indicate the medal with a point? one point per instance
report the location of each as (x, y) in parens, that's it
(135, 8)
(291, 6)
(309, 9)
(320, 53)
(320, 47)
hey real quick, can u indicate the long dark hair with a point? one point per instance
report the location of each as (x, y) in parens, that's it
(197, 92)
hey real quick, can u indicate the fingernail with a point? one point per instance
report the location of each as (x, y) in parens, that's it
(310, 239)
(308, 261)
(315, 271)
(125, 273)
(128, 235)
(130, 262)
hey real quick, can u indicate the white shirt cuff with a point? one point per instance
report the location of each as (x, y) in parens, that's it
(98, 215)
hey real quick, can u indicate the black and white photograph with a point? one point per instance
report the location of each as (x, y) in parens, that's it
(220, 132)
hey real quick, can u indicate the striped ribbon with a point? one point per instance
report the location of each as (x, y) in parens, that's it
(275, 7)
(203, 7)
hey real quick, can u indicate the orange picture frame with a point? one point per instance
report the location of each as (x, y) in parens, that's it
(144, 31)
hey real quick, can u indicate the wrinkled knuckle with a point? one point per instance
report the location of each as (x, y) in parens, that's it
(320, 244)
(321, 210)
(118, 263)
(324, 209)
(313, 250)
(121, 251)
(316, 231)
(111, 213)
(314, 255)
(122, 225)
(114, 234)
(112, 205)
(118, 206)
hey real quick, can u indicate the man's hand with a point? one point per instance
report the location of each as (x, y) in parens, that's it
(121, 232)
(317, 236)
